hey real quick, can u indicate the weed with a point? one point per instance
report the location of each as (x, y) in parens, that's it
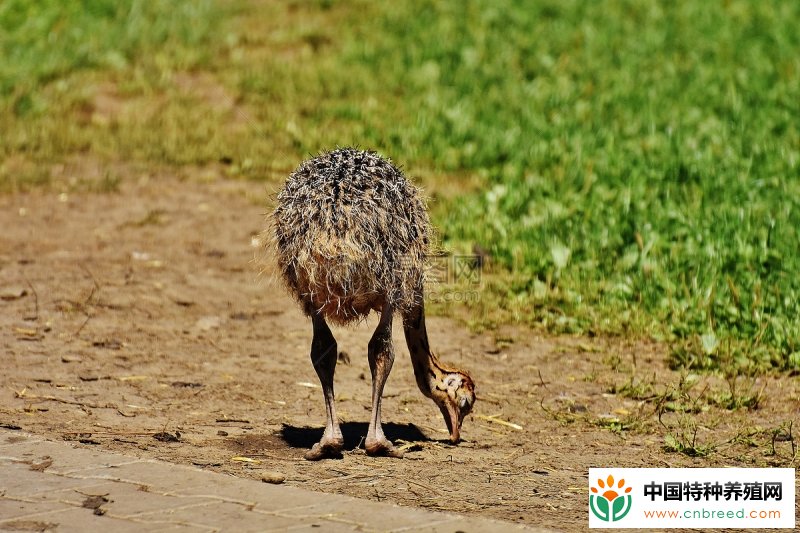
(783, 433)
(619, 426)
(738, 397)
(685, 442)
(637, 389)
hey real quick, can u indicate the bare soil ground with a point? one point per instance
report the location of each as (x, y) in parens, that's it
(136, 321)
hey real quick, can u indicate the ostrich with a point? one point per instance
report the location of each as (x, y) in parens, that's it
(351, 235)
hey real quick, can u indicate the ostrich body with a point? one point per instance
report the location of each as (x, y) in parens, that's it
(351, 235)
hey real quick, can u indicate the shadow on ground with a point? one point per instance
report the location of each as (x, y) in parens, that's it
(353, 432)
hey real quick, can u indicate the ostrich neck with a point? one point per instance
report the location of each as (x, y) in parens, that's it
(427, 369)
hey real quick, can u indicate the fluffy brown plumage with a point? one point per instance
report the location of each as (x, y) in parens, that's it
(351, 234)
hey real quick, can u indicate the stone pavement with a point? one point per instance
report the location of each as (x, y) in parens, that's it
(53, 486)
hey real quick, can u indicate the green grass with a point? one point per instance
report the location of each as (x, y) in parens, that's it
(640, 161)
(48, 40)
(58, 54)
(632, 167)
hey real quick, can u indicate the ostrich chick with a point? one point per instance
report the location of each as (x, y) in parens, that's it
(351, 235)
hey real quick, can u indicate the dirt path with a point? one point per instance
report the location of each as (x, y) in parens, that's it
(139, 313)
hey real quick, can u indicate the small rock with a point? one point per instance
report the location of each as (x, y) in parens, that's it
(188, 384)
(276, 478)
(95, 503)
(28, 334)
(46, 462)
(208, 322)
(168, 437)
(111, 344)
(12, 293)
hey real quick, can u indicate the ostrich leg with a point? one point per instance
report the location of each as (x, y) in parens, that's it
(381, 358)
(323, 357)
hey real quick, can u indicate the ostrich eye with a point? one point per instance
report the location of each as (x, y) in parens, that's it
(452, 382)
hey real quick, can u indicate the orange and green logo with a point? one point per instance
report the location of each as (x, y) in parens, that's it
(609, 503)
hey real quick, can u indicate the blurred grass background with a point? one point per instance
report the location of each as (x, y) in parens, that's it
(630, 167)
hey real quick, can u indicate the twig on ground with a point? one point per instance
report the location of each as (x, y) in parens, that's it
(35, 316)
(417, 483)
(541, 380)
(112, 433)
(96, 287)
(495, 420)
(22, 395)
(86, 321)
(350, 476)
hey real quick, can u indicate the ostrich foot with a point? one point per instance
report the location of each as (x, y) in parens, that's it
(327, 448)
(383, 448)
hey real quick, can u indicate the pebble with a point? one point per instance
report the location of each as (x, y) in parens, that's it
(276, 478)
(12, 293)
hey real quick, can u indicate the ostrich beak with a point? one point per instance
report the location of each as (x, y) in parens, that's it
(452, 418)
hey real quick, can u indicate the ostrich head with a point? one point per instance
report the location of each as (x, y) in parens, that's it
(454, 392)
